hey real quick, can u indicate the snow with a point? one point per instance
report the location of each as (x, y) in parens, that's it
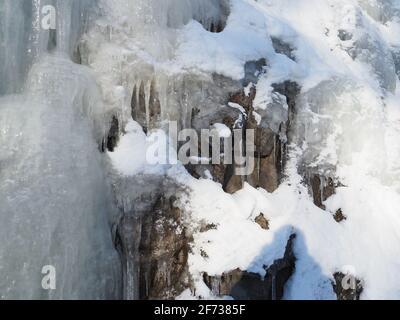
(242, 240)
(225, 53)
(222, 130)
(237, 106)
(137, 153)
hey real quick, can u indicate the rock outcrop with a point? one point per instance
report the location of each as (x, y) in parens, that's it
(163, 250)
(347, 287)
(243, 285)
(154, 249)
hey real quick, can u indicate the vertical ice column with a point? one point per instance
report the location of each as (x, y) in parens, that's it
(12, 44)
(71, 19)
(55, 201)
(25, 34)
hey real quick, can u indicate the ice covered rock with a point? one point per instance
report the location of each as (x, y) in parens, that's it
(365, 44)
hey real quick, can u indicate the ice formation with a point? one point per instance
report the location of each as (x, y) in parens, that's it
(329, 80)
(55, 202)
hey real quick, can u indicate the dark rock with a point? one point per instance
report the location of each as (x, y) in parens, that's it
(344, 35)
(347, 287)
(164, 249)
(76, 55)
(142, 100)
(246, 101)
(138, 106)
(113, 136)
(204, 254)
(221, 174)
(154, 103)
(268, 170)
(339, 216)
(217, 25)
(217, 111)
(252, 70)
(213, 95)
(322, 189)
(134, 103)
(268, 173)
(265, 142)
(233, 183)
(265, 174)
(290, 90)
(283, 48)
(148, 117)
(243, 285)
(270, 147)
(262, 221)
(194, 170)
(152, 239)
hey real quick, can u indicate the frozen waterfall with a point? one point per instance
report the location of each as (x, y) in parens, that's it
(55, 203)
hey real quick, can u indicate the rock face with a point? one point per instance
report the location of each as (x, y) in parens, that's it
(322, 189)
(283, 48)
(270, 147)
(154, 242)
(154, 248)
(243, 285)
(231, 103)
(267, 148)
(290, 90)
(347, 287)
(218, 23)
(267, 173)
(262, 222)
(339, 216)
(164, 249)
(252, 71)
(113, 136)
